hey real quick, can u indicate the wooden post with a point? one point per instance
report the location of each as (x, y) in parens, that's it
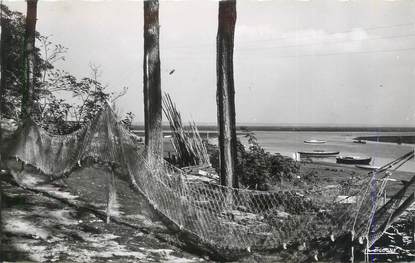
(225, 93)
(352, 248)
(151, 80)
(413, 230)
(110, 193)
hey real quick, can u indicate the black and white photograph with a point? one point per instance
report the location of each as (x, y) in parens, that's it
(187, 131)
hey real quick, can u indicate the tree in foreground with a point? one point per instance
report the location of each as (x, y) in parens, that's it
(225, 93)
(14, 61)
(1, 116)
(151, 79)
(29, 72)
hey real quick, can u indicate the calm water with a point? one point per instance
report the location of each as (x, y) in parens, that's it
(288, 143)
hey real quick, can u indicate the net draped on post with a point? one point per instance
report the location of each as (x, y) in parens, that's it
(217, 216)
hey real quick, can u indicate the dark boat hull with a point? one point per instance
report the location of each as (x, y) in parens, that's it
(353, 160)
(360, 141)
(318, 154)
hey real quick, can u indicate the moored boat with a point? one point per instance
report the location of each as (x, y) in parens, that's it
(318, 153)
(315, 141)
(367, 167)
(359, 141)
(353, 160)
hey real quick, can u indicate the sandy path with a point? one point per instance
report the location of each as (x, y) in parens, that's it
(39, 228)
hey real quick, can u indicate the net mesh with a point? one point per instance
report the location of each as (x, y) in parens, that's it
(217, 216)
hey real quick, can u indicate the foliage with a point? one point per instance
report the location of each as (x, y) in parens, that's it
(83, 97)
(256, 168)
(128, 120)
(12, 41)
(55, 116)
(89, 93)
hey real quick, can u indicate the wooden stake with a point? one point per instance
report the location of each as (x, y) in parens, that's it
(111, 193)
(413, 230)
(352, 248)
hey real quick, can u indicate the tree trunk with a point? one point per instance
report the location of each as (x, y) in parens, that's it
(29, 56)
(2, 82)
(151, 76)
(225, 93)
(1, 116)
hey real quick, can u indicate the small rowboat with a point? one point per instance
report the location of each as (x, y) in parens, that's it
(319, 153)
(315, 141)
(353, 160)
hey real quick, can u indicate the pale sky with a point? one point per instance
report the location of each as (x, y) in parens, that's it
(305, 62)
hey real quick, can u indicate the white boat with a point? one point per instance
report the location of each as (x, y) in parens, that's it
(315, 141)
(367, 167)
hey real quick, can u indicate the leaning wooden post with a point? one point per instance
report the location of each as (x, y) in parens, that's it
(225, 93)
(380, 230)
(151, 80)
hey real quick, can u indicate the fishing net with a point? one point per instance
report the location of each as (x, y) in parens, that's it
(218, 217)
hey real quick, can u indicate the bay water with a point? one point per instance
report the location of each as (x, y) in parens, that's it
(289, 142)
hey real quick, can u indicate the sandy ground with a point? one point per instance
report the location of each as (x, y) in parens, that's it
(41, 228)
(47, 228)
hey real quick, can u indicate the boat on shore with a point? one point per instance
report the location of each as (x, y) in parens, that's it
(318, 153)
(315, 141)
(367, 167)
(353, 160)
(359, 141)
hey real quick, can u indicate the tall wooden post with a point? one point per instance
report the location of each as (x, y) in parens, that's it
(151, 77)
(225, 93)
(29, 56)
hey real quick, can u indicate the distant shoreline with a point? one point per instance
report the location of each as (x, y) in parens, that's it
(408, 139)
(249, 128)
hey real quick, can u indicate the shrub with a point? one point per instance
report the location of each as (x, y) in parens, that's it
(256, 168)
